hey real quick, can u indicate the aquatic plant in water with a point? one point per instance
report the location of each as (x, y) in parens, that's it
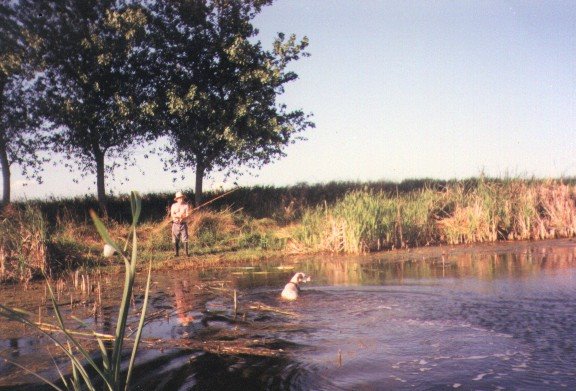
(107, 375)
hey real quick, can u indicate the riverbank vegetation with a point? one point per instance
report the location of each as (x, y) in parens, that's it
(251, 223)
(87, 373)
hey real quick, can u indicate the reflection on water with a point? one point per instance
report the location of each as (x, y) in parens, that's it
(183, 301)
(484, 317)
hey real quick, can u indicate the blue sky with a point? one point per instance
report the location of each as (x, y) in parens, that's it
(411, 89)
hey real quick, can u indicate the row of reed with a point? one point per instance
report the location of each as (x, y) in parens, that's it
(346, 217)
(283, 204)
(32, 245)
(23, 244)
(366, 220)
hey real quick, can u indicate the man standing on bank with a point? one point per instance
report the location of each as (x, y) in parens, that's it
(179, 213)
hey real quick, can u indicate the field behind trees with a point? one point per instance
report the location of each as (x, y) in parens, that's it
(57, 235)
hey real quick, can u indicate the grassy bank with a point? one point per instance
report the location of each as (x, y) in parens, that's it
(259, 221)
(460, 212)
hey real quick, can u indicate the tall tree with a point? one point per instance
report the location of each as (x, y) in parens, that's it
(20, 142)
(95, 85)
(23, 135)
(218, 87)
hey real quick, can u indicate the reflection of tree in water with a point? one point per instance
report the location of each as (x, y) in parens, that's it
(14, 350)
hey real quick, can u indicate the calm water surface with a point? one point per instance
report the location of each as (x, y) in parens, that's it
(494, 317)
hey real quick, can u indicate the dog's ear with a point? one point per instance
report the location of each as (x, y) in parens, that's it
(302, 277)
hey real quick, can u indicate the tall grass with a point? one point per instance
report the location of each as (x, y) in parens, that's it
(212, 232)
(283, 204)
(360, 222)
(107, 375)
(461, 212)
(23, 244)
(350, 217)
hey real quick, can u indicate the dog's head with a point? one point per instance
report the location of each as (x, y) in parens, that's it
(300, 277)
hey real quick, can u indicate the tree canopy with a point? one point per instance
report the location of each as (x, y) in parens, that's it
(114, 75)
(93, 52)
(217, 87)
(21, 138)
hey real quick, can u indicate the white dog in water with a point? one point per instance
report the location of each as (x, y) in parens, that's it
(292, 289)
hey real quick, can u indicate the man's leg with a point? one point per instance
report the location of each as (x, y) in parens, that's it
(185, 237)
(176, 236)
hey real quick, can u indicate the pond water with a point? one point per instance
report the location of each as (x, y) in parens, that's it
(488, 317)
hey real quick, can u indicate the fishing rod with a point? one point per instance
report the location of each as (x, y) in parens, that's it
(167, 221)
(214, 199)
(109, 250)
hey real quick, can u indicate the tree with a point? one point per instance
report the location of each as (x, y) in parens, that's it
(23, 136)
(95, 86)
(218, 87)
(20, 138)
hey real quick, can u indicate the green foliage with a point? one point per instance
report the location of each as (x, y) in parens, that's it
(359, 222)
(21, 137)
(218, 86)
(23, 244)
(108, 375)
(226, 230)
(470, 211)
(335, 217)
(417, 217)
(118, 74)
(92, 80)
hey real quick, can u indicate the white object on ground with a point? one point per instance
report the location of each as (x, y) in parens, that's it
(108, 251)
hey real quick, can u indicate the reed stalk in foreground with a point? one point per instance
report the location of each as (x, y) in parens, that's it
(108, 375)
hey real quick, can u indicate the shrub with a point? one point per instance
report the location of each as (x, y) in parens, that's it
(23, 243)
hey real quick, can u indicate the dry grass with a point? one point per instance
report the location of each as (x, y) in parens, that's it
(219, 223)
(23, 244)
(306, 220)
(483, 211)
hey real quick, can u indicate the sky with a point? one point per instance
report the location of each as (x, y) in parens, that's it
(404, 90)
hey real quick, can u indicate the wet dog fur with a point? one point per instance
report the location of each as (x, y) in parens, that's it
(292, 288)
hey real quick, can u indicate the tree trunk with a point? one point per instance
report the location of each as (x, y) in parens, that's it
(199, 180)
(4, 162)
(100, 186)
(5, 173)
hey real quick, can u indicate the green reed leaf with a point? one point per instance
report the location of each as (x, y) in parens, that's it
(140, 326)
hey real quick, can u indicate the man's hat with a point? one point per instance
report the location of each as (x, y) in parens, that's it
(179, 195)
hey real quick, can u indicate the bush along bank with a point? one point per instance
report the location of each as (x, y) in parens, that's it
(487, 211)
(23, 244)
(43, 237)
